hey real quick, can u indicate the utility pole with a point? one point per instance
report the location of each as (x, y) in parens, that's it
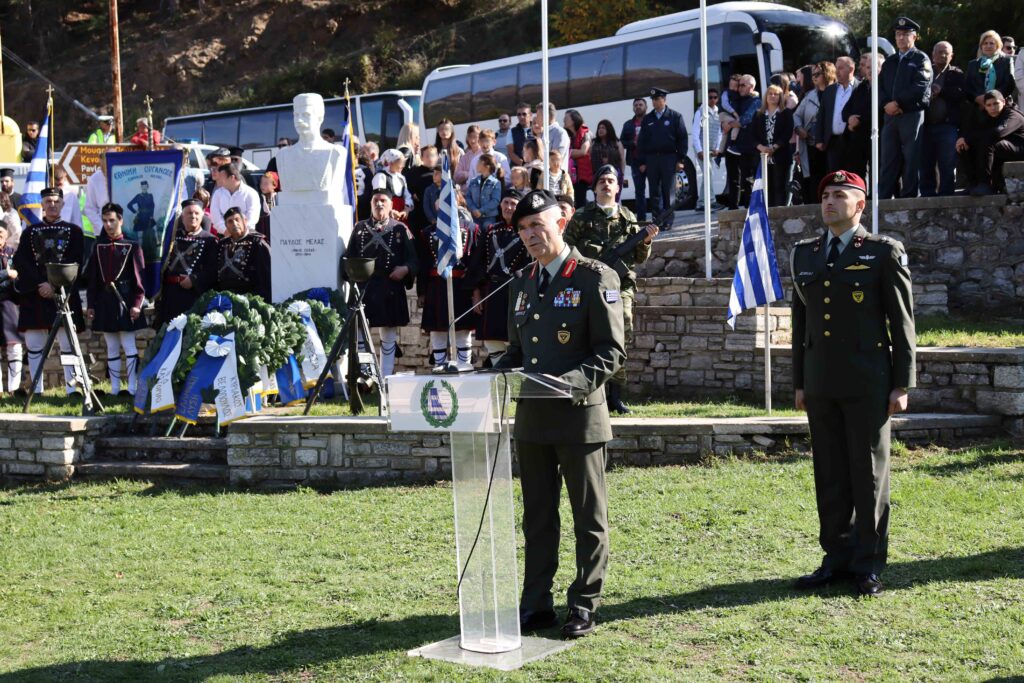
(115, 68)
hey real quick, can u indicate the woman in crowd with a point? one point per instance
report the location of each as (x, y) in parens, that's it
(991, 70)
(464, 170)
(409, 140)
(813, 161)
(270, 185)
(444, 138)
(580, 141)
(9, 213)
(606, 149)
(533, 160)
(773, 127)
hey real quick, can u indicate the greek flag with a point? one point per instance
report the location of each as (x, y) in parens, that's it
(350, 157)
(756, 282)
(31, 207)
(449, 235)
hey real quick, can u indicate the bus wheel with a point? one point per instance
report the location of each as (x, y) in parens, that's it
(686, 186)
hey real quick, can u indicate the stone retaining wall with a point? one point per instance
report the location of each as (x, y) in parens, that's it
(973, 245)
(34, 447)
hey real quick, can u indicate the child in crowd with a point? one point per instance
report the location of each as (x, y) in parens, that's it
(520, 179)
(558, 180)
(483, 193)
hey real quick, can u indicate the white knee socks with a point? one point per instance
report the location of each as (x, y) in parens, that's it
(388, 350)
(116, 341)
(14, 356)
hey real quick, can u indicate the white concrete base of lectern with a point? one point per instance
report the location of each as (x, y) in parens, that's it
(531, 650)
(307, 242)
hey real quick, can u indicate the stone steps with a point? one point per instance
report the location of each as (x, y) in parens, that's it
(163, 471)
(159, 449)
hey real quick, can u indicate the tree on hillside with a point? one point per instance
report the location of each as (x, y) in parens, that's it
(581, 20)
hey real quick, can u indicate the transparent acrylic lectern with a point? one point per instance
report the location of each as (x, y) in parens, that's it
(485, 534)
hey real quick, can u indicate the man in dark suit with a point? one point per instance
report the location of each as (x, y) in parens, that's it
(629, 137)
(853, 362)
(565, 319)
(661, 149)
(905, 89)
(857, 114)
(942, 123)
(830, 128)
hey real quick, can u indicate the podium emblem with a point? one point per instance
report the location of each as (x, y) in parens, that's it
(439, 404)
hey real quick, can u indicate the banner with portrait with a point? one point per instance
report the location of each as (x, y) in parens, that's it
(147, 185)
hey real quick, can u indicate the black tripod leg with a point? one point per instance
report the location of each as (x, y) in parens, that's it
(339, 345)
(50, 338)
(90, 401)
(364, 325)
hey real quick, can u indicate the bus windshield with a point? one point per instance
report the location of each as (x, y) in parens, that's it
(807, 38)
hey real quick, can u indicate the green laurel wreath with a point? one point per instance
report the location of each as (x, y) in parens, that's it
(425, 407)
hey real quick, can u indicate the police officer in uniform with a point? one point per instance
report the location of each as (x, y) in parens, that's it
(905, 87)
(390, 244)
(190, 265)
(853, 362)
(565, 319)
(596, 231)
(243, 258)
(660, 150)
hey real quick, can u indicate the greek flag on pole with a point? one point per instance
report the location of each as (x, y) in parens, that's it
(350, 168)
(31, 207)
(449, 235)
(756, 282)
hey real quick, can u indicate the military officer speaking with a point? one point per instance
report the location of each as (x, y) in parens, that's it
(565, 319)
(853, 362)
(599, 230)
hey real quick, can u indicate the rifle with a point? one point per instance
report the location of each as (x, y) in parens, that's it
(614, 257)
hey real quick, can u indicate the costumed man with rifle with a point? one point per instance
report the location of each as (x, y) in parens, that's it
(391, 245)
(503, 254)
(609, 232)
(50, 241)
(190, 266)
(115, 295)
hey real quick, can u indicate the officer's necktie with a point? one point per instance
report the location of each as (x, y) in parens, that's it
(545, 277)
(833, 251)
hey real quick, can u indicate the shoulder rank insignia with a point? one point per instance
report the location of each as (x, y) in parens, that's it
(593, 265)
(570, 266)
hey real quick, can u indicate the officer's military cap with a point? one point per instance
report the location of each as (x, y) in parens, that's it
(906, 24)
(51, 192)
(659, 92)
(384, 191)
(842, 179)
(6, 172)
(232, 211)
(235, 151)
(607, 169)
(219, 152)
(533, 203)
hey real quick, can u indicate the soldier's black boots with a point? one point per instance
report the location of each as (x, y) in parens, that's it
(613, 396)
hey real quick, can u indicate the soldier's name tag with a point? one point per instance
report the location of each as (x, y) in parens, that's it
(611, 295)
(857, 266)
(567, 298)
(521, 303)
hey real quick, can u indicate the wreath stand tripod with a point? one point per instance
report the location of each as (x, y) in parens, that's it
(62, 277)
(359, 271)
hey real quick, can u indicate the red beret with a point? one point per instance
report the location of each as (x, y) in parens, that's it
(842, 179)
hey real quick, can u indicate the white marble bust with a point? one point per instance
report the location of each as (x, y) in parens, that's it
(311, 170)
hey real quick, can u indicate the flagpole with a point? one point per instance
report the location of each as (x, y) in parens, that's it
(545, 137)
(767, 318)
(351, 151)
(874, 117)
(706, 135)
(49, 135)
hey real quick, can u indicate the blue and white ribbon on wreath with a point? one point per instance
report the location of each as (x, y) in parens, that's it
(160, 370)
(220, 303)
(268, 380)
(290, 388)
(217, 368)
(314, 358)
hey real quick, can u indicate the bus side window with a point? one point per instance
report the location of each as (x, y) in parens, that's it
(392, 123)
(286, 126)
(596, 76)
(663, 62)
(257, 130)
(450, 97)
(371, 119)
(530, 82)
(334, 115)
(494, 93)
(221, 131)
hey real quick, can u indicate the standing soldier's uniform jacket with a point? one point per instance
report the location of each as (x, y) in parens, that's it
(192, 256)
(596, 235)
(908, 80)
(390, 245)
(853, 343)
(574, 332)
(664, 135)
(115, 285)
(243, 265)
(42, 243)
(503, 254)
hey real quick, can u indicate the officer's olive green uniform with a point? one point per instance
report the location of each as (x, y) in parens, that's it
(574, 332)
(595, 234)
(847, 360)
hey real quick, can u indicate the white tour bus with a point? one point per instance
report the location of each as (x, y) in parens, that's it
(378, 117)
(600, 78)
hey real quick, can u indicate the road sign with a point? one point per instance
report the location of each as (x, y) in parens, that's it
(81, 160)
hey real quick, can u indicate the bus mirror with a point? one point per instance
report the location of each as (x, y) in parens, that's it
(774, 45)
(407, 113)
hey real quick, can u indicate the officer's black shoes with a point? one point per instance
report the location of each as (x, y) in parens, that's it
(613, 396)
(822, 576)
(537, 621)
(578, 623)
(869, 585)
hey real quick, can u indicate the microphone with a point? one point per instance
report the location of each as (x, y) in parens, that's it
(454, 366)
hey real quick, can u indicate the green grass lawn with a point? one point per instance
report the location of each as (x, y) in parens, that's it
(128, 582)
(943, 330)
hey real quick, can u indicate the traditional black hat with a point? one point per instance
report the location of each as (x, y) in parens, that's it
(52, 192)
(906, 24)
(232, 211)
(513, 193)
(6, 172)
(533, 203)
(659, 92)
(192, 202)
(386, 191)
(235, 151)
